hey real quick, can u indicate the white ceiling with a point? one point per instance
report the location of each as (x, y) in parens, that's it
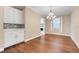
(57, 10)
(44, 10)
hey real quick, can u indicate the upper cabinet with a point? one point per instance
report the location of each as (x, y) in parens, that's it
(8, 14)
(13, 15)
(18, 16)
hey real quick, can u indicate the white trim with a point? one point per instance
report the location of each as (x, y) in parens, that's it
(75, 42)
(1, 49)
(59, 34)
(31, 38)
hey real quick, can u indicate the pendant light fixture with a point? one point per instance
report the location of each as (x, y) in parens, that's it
(50, 14)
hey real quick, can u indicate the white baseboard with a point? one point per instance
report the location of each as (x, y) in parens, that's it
(32, 38)
(59, 34)
(1, 49)
(75, 42)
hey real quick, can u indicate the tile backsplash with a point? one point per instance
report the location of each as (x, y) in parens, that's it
(12, 25)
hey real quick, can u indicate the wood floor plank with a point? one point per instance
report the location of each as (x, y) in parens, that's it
(45, 44)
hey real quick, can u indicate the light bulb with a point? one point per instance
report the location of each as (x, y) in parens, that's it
(54, 16)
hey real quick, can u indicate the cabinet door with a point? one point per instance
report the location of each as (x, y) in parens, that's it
(9, 37)
(18, 16)
(13, 15)
(13, 36)
(20, 35)
(8, 14)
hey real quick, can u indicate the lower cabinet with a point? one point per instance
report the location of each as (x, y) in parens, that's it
(13, 36)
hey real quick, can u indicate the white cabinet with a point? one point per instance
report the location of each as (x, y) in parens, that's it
(13, 15)
(18, 17)
(13, 36)
(9, 37)
(8, 15)
(20, 35)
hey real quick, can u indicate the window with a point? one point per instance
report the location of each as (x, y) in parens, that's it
(56, 23)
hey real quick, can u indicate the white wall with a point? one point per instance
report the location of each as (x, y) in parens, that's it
(1, 30)
(32, 24)
(75, 25)
(66, 21)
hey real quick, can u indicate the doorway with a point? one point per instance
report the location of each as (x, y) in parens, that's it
(42, 26)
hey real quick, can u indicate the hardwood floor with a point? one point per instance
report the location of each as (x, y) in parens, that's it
(45, 44)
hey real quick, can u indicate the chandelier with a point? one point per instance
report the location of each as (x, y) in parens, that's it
(50, 14)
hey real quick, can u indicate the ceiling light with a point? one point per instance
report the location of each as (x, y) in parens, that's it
(50, 14)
